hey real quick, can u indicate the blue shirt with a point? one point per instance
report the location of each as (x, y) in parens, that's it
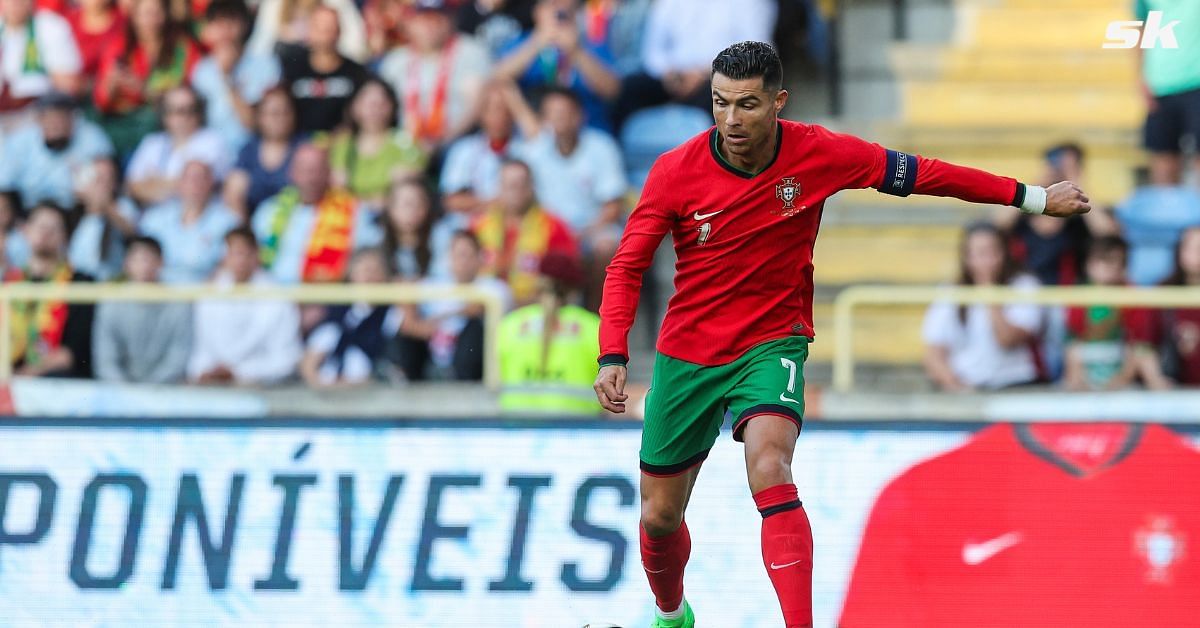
(574, 187)
(88, 252)
(264, 183)
(294, 241)
(543, 72)
(38, 173)
(253, 75)
(1152, 220)
(191, 252)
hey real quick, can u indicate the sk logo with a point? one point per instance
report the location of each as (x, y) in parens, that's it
(787, 191)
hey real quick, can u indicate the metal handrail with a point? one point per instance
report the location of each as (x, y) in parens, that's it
(855, 296)
(374, 294)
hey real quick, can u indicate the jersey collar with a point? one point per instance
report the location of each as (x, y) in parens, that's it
(1029, 441)
(714, 136)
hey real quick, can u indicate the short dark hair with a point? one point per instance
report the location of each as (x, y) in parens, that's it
(469, 236)
(751, 59)
(242, 233)
(228, 10)
(1054, 153)
(147, 242)
(1108, 245)
(559, 90)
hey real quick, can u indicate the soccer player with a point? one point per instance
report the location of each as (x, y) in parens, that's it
(743, 202)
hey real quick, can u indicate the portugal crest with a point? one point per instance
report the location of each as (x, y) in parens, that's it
(1161, 546)
(787, 191)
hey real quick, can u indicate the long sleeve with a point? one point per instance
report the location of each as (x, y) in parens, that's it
(862, 164)
(106, 352)
(648, 224)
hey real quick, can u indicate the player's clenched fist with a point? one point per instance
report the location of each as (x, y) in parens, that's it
(1064, 199)
(610, 387)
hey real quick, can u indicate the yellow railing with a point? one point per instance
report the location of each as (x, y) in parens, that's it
(855, 296)
(376, 294)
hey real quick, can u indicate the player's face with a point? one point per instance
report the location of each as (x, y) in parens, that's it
(745, 112)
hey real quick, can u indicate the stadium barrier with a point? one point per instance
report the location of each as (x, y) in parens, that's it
(434, 524)
(856, 296)
(331, 294)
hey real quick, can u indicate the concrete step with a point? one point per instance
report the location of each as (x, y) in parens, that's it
(1046, 26)
(1060, 108)
(848, 254)
(1030, 68)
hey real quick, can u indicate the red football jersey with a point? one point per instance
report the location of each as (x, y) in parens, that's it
(1003, 532)
(744, 242)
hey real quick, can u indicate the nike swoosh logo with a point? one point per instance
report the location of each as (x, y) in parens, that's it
(976, 553)
(794, 562)
(698, 216)
(652, 571)
(788, 399)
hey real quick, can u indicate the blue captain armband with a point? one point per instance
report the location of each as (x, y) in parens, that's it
(900, 174)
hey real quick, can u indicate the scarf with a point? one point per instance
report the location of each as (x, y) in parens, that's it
(37, 326)
(332, 238)
(517, 264)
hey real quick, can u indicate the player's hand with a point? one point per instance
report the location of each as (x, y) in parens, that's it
(610, 387)
(1065, 199)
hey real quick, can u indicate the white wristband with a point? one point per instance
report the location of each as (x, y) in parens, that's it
(1035, 200)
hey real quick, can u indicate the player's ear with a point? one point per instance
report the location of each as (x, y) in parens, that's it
(781, 98)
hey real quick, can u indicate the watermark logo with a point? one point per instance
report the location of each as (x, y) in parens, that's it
(1152, 33)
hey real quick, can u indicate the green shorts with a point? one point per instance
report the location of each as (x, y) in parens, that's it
(687, 402)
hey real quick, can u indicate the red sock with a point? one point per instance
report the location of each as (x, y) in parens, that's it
(664, 558)
(787, 549)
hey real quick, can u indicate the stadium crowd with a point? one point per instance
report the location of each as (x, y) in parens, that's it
(301, 141)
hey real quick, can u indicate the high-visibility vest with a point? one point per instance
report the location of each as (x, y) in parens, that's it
(564, 384)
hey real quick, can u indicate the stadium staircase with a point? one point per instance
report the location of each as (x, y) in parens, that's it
(984, 83)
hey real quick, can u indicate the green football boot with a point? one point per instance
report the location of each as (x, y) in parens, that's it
(687, 621)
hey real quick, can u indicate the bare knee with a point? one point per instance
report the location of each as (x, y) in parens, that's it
(769, 467)
(660, 517)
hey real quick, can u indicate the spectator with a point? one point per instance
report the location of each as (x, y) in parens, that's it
(50, 338)
(385, 25)
(191, 227)
(1108, 347)
(231, 81)
(681, 39)
(154, 55)
(580, 178)
(144, 343)
(983, 346)
(373, 152)
(262, 165)
(548, 349)
(415, 243)
(16, 249)
(1177, 331)
(1053, 248)
(244, 342)
(154, 169)
(348, 347)
(283, 27)
(618, 27)
(309, 230)
(438, 76)
(470, 177)
(40, 160)
(320, 79)
(8, 271)
(37, 55)
(556, 54)
(97, 25)
(1171, 87)
(454, 329)
(495, 23)
(516, 233)
(1152, 219)
(104, 220)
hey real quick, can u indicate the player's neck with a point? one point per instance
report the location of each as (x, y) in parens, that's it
(758, 159)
